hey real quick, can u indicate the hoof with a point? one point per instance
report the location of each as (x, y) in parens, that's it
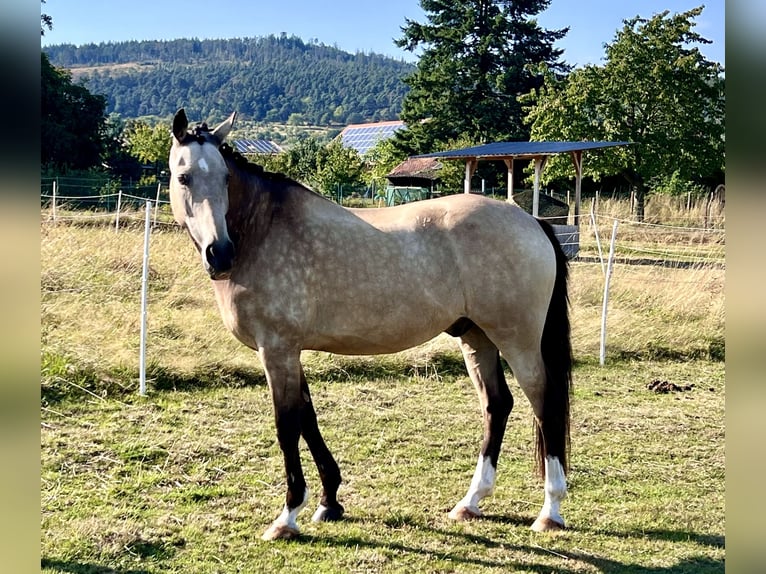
(328, 514)
(280, 532)
(463, 513)
(547, 525)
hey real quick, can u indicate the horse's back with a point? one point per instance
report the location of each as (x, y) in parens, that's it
(501, 259)
(476, 227)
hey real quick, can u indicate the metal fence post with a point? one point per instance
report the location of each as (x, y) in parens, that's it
(602, 351)
(144, 281)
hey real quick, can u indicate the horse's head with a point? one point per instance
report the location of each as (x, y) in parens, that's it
(199, 193)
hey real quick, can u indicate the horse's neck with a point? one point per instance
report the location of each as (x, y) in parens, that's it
(254, 204)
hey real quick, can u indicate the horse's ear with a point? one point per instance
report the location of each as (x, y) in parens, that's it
(222, 130)
(180, 125)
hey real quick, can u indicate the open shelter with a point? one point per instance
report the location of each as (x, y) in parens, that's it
(537, 151)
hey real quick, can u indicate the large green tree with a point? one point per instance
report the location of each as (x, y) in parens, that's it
(72, 121)
(656, 90)
(477, 57)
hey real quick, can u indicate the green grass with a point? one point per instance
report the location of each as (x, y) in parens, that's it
(186, 481)
(188, 478)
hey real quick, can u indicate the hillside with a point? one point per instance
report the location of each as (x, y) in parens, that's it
(274, 78)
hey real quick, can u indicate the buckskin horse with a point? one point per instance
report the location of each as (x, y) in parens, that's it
(286, 280)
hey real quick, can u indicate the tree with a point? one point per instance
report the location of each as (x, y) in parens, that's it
(380, 160)
(656, 90)
(475, 62)
(149, 144)
(46, 21)
(72, 121)
(338, 165)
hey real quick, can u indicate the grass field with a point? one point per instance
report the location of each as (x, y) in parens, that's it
(187, 479)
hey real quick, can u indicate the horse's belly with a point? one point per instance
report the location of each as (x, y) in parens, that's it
(371, 343)
(390, 325)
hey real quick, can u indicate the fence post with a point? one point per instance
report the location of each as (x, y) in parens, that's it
(598, 241)
(55, 186)
(119, 205)
(157, 203)
(144, 280)
(602, 350)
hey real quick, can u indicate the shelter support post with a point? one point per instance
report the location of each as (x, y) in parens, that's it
(470, 168)
(577, 161)
(540, 162)
(509, 164)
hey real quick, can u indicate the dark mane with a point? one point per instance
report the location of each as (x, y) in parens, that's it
(199, 133)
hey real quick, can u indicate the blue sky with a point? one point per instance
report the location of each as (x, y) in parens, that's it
(351, 25)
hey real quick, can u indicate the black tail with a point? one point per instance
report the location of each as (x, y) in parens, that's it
(552, 437)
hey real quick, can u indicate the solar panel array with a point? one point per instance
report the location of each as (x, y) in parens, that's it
(362, 137)
(256, 146)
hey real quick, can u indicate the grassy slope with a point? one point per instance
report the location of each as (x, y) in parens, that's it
(187, 479)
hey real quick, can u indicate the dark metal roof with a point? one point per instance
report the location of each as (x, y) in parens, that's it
(519, 149)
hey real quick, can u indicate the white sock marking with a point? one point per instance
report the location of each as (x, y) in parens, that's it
(482, 485)
(555, 490)
(289, 517)
(319, 514)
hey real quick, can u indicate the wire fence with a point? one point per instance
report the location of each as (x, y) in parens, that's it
(681, 251)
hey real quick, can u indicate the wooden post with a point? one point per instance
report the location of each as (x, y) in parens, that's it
(509, 165)
(470, 167)
(577, 161)
(540, 162)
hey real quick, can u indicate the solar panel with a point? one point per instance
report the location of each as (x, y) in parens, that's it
(363, 137)
(256, 146)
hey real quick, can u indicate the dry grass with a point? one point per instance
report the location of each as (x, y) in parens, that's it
(654, 312)
(91, 291)
(666, 210)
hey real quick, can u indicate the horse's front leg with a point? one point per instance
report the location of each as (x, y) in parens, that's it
(283, 372)
(329, 507)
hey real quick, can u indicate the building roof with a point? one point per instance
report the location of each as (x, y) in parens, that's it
(500, 150)
(256, 146)
(422, 167)
(362, 137)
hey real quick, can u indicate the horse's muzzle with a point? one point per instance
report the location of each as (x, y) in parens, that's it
(219, 259)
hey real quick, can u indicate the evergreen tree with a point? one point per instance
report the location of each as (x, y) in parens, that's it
(478, 56)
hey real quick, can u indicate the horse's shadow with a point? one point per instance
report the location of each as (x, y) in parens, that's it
(74, 567)
(697, 564)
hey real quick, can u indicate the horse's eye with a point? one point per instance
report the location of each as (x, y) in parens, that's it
(184, 179)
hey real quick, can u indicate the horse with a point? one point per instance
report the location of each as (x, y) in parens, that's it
(285, 280)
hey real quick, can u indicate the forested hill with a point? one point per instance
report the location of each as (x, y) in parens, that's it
(273, 78)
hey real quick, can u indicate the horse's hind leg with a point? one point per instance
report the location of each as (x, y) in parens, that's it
(482, 360)
(329, 473)
(550, 408)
